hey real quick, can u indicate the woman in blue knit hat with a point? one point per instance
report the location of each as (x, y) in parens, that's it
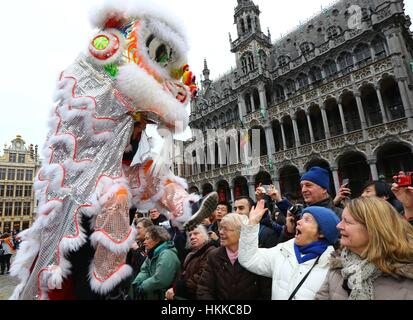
(298, 267)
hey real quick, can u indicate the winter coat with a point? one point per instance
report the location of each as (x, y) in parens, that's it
(398, 286)
(221, 280)
(158, 273)
(193, 267)
(281, 264)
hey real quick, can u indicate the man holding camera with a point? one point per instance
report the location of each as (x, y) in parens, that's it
(315, 188)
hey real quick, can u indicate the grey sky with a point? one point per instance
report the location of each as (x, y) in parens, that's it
(41, 38)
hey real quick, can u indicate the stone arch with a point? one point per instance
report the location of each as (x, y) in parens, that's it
(353, 166)
(290, 180)
(393, 157)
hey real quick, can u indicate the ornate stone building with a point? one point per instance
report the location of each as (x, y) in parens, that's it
(18, 168)
(336, 92)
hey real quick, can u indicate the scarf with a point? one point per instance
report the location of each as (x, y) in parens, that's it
(233, 256)
(360, 275)
(310, 251)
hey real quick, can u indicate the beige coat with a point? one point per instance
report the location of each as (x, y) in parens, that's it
(395, 287)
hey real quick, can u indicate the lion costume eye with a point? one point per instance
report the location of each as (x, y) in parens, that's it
(159, 51)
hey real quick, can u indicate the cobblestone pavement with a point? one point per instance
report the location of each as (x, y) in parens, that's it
(7, 285)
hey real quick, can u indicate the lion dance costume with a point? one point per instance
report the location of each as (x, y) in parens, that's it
(134, 67)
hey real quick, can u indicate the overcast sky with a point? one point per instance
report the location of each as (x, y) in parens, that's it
(41, 38)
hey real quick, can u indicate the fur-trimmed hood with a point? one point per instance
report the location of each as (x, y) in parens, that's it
(401, 270)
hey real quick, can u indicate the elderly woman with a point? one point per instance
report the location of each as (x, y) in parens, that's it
(298, 267)
(194, 265)
(376, 262)
(160, 267)
(224, 278)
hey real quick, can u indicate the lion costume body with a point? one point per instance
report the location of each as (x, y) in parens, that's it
(135, 65)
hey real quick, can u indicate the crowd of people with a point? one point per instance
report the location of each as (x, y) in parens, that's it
(323, 248)
(277, 247)
(9, 243)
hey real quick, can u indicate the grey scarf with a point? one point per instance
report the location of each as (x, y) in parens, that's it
(360, 275)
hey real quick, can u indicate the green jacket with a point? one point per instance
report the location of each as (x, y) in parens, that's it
(158, 274)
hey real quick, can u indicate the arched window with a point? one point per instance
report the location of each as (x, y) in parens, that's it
(362, 54)
(345, 61)
(315, 74)
(302, 81)
(249, 23)
(379, 47)
(330, 68)
(250, 60)
(244, 65)
(290, 85)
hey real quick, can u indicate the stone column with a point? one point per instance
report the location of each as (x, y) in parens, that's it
(325, 122)
(296, 133)
(283, 135)
(269, 137)
(361, 111)
(373, 169)
(251, 188)
(382, 109)
(405, 98)
(343, 119)
(336, 179)
(276, 182)
(263, 98)
(242, 107)
(310, 127)
(231, 189)
(252, 102)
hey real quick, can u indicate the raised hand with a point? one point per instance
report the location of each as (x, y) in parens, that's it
(259, 192)
(275, 194)
(257, 213)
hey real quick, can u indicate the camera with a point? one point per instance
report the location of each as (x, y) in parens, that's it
(297, 211)
(267, 188)
(404, 181)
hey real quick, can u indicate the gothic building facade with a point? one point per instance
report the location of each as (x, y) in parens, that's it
(337, 92)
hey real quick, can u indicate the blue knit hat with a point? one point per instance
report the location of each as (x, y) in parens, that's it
(318, 176)
(327, 220)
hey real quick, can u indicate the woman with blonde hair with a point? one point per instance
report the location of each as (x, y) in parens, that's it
(376, 260)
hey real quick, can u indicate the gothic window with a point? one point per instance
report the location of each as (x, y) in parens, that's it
(330, 68)
(302, 81)
(333, 32)
(315, 74)
(251, 65)
(379, 48)
(290, 85)
(244, 65)
(345, 61)
(243, 26)
(249, 23)
(279, 93)
(263, 58)
(362, 53)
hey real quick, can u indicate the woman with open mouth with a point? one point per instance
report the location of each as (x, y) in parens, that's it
(298, 267)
